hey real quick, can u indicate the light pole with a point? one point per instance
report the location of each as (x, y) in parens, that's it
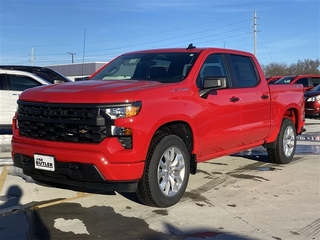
(72, 54)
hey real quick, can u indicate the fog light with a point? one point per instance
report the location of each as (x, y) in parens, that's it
(121, 131)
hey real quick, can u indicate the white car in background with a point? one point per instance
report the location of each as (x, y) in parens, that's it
(12, 83)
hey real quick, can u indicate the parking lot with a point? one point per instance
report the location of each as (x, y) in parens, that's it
(241, 196)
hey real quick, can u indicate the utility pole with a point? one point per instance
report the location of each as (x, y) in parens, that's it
(32, 58)
(72, 54)
(255, 33)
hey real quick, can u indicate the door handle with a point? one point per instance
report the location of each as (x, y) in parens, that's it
(265, 96)
(234, 99)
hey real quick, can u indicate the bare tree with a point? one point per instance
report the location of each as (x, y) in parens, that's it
(306, 66)
(273, 69)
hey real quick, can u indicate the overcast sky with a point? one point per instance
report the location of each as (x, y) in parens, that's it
(99, 30)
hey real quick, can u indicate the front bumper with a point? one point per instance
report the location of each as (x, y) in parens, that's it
(74, 176)
(312, 112)
(109, 160)
(312, 108)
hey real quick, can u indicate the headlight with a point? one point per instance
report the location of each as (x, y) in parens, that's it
(128, 110)
(121, 111)
(313, 99)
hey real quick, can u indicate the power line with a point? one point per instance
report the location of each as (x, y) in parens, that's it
(255, 33)
(72, 54)
(165, 41)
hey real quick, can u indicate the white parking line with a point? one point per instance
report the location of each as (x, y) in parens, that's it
(3, 176)
(79, 195)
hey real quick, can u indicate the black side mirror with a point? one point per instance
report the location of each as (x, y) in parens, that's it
(212, 83)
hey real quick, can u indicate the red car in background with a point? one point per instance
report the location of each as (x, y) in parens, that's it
(312, 102)
(272, 79)
(307, 80)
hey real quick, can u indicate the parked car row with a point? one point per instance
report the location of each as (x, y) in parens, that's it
(15, 79)
(307, 80)
(311, 84)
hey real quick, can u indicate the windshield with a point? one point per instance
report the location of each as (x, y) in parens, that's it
(162, 67)
(316, 88)
(285, 80)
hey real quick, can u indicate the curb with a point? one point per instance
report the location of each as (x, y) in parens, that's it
(6, 162)
(5, 159)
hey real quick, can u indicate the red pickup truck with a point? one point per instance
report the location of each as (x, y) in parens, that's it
(144, 121)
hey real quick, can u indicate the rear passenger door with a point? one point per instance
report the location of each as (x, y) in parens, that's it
(254, 99)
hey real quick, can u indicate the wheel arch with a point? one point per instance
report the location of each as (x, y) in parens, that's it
(293, 115)
(184, 131)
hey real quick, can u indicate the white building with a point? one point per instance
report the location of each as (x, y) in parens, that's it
(77, 71)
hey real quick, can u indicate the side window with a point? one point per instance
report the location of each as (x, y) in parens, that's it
(45, 76)
(244, 71)
(303, 81)
(213, 66)
(315, 81)
(21, 83)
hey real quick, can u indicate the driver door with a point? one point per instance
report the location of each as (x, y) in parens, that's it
(219, 123)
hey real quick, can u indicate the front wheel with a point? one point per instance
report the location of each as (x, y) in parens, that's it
(286, 144)
(166, 172)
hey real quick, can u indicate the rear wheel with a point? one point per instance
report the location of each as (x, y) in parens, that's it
(166, 172)
(286, 144)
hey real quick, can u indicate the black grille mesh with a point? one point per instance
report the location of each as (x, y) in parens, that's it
(66, 123)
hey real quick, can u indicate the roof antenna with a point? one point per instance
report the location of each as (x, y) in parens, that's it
(190, 46)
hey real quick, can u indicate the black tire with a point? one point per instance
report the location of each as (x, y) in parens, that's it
(286, 144)
(166, 172)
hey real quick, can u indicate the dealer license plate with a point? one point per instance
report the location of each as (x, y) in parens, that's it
(44, 162)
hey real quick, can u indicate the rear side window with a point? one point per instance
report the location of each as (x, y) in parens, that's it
(303, 81)
(315, 81)
(21, 83)
(244, 71)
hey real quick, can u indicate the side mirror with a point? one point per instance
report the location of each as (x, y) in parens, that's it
(212, 83)
(57, 81)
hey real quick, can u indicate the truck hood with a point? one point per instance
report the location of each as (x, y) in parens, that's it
(311, 94)
(91, 91)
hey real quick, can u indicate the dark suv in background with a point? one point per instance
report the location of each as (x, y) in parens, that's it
(47, 74)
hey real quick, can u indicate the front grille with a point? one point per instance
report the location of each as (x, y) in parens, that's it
(83, 123)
